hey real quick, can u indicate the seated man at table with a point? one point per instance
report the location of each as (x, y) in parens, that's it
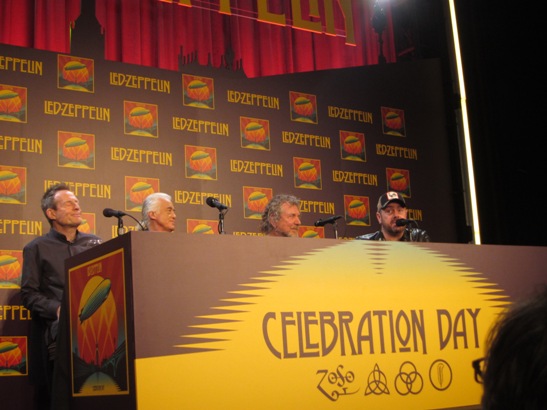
(158, 213)
(394, 226)
(281, 216)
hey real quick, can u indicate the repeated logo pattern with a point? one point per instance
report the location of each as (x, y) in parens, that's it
(118, 133)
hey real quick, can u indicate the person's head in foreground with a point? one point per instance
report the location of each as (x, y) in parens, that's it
(515, 366)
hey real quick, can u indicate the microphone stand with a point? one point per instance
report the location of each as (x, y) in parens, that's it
(412, 228)
(335, 227)
(221, 221)
(120, 226)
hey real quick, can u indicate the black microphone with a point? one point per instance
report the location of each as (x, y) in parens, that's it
(111, 212)
(118, 214)
(403, 222)
(323, 222)
(214, 203)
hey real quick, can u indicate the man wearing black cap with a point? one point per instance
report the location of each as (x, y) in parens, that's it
(392, 208)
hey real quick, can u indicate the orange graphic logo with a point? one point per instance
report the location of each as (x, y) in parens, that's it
(307, 173)
(88, 223)
(398, 180)
(393, 121)
(201, 226)
(140, 119)
(311, 231)
(13, 184)
(255, 133)
(303, 107)
(137, 189)
(76, 150)
(10, 269)
(200, 162)
(255, 200)
(352, 146)
(357, 209)
(198, 91)
(75, 73)
(13, 103)
(13, 355)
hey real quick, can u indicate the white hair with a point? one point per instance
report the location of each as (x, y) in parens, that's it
(151, 203)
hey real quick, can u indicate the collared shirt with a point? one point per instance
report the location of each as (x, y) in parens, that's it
(43, 276)
(42, 285)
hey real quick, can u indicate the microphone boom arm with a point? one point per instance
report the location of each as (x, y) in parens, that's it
(119, 214)
(138, 222)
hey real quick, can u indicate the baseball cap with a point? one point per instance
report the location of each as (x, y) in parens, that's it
(389, 197)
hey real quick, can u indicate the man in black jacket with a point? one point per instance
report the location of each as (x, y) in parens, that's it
(394, 225)
(43, 282)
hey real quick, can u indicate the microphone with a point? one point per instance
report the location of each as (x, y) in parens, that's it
(323, 222)
(214, 203)
(111, 212)
(403, 222)
(118, 214)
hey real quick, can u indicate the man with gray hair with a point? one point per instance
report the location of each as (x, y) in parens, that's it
(158, 213)
(281, 216)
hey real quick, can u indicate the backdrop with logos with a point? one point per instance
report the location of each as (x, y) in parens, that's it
(115, 132)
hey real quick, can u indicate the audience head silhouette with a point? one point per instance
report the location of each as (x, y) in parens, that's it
(515, 374)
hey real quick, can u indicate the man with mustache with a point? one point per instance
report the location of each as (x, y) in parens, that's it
(391, 208)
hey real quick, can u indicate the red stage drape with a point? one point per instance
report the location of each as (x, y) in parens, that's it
(159, 34)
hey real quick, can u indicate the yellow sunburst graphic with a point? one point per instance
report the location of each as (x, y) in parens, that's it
(357, 325)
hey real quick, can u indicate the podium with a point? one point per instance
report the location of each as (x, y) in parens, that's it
(172, 321)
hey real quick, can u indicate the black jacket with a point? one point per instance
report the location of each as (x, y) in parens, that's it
(42, 286)
(410, 235)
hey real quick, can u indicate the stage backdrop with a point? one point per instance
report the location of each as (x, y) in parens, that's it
(115, 133)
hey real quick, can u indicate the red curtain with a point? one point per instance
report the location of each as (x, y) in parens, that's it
(157, 34)
(41, 24)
